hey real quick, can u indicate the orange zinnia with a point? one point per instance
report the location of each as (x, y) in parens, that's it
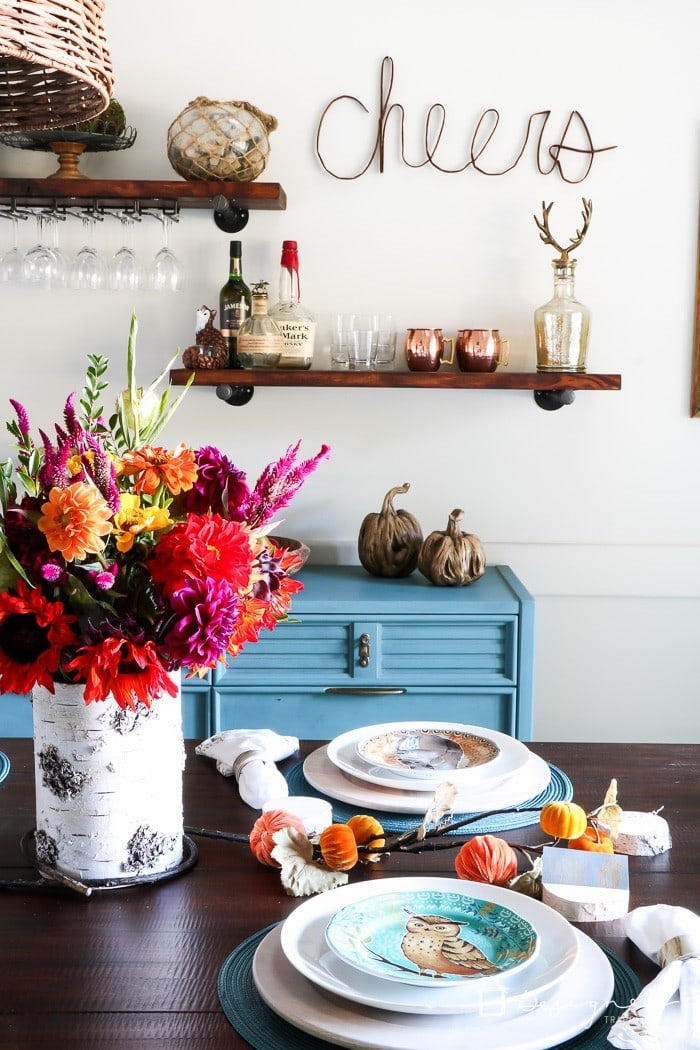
(74, 519)
(176, 469)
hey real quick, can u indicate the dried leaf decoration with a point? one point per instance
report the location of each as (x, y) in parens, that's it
(610, 813)
(442, 803)
(300, 876)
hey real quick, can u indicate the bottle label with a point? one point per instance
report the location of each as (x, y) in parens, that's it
(268, 343)
(299, 337)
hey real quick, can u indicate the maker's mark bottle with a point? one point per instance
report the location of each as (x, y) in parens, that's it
(297, 325)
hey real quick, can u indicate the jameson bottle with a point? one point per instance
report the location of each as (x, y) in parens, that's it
(234, 304)
(297, 325)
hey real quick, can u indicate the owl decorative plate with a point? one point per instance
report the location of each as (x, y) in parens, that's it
(431, 938)
(427, 751)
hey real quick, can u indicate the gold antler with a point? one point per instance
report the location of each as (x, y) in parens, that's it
(545, 233)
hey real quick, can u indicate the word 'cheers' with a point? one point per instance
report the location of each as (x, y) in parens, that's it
(561, 156)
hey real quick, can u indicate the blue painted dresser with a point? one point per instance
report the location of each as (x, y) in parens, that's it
(359, 650)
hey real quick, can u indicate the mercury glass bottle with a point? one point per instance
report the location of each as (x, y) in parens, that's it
(260, 341)
(296, 322)
(562, 325)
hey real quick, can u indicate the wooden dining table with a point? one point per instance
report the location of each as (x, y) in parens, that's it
(137, 966)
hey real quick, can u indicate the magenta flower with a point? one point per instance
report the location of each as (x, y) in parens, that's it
(279, 482)
(220, 487)
(205, 613)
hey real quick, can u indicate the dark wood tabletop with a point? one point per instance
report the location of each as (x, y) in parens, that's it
(138, 966)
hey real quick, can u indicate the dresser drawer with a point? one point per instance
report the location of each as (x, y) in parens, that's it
(397, 650)
(313, 714)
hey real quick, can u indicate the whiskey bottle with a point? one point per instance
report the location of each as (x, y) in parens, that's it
(235, 304)
(297, 325)
(260, 341)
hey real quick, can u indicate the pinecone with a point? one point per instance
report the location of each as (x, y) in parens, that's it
(210, 350)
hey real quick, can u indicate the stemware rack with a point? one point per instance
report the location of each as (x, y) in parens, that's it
(161, 194)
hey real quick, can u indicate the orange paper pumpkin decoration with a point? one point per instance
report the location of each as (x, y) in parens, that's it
(487, 859)
(260, 838)
(338, 847)
(367, 831)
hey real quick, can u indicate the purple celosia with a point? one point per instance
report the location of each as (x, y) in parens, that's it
(205, 613)
(279, 482)
(22, 417)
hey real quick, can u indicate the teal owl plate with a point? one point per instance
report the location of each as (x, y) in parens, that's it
(431, 938)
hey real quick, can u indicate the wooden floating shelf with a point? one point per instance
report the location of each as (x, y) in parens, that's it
(152, 193)
(442, 380)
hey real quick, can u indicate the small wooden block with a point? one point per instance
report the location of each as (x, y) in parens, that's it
(585, 887)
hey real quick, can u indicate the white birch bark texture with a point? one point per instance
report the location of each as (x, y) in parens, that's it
(108, 785)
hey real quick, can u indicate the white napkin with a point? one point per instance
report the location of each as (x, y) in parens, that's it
(249, 755)
(670, 937)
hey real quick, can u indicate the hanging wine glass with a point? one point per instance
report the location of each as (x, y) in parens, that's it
(40, 265)
(124, 269)
(12, 260)
(89, 268)
(63, 265)
(167, 272)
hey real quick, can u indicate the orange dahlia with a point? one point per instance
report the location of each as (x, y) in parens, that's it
(74, 519)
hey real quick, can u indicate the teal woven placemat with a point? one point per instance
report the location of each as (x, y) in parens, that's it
(4, 766)
(264, 1030)
(559, 789)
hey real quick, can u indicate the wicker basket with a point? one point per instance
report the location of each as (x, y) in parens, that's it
(55, 68)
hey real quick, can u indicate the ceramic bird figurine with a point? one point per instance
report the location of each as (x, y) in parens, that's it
(432, 942)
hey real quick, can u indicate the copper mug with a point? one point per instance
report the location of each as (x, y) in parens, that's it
(425, 348)
(481, 349)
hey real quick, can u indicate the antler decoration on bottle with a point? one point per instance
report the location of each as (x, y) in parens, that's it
(546, 236)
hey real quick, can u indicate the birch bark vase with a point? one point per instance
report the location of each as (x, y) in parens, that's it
(108, 785)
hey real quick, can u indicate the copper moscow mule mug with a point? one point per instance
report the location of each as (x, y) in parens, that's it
(481, 349)
(425, 348)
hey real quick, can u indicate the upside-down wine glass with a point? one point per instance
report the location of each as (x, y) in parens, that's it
(167, 272)
(124, 269)
(40, 264)
(11, 262)
(89, 268)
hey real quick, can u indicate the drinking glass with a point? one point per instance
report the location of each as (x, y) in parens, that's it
(63, 266)
(167, 272)
(89, 268)
(40, 264)
(11, 262)
(124, 269)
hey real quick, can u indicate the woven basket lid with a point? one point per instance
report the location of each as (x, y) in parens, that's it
(55, 68)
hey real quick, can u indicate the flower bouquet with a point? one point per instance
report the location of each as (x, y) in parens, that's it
(122, 562)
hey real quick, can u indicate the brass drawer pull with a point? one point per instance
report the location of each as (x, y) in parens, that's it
(350, 691)
(364, 650)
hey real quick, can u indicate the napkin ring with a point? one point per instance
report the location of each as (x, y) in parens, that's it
(684, 946)
(253, 755)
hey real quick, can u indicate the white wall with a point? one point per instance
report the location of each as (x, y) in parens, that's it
(597, 506)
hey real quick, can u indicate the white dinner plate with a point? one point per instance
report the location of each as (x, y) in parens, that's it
(343, 751)
(303, 941)
(576, 1002)
(325, 777)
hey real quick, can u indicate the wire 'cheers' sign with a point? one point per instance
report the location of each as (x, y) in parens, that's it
(561, 156)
